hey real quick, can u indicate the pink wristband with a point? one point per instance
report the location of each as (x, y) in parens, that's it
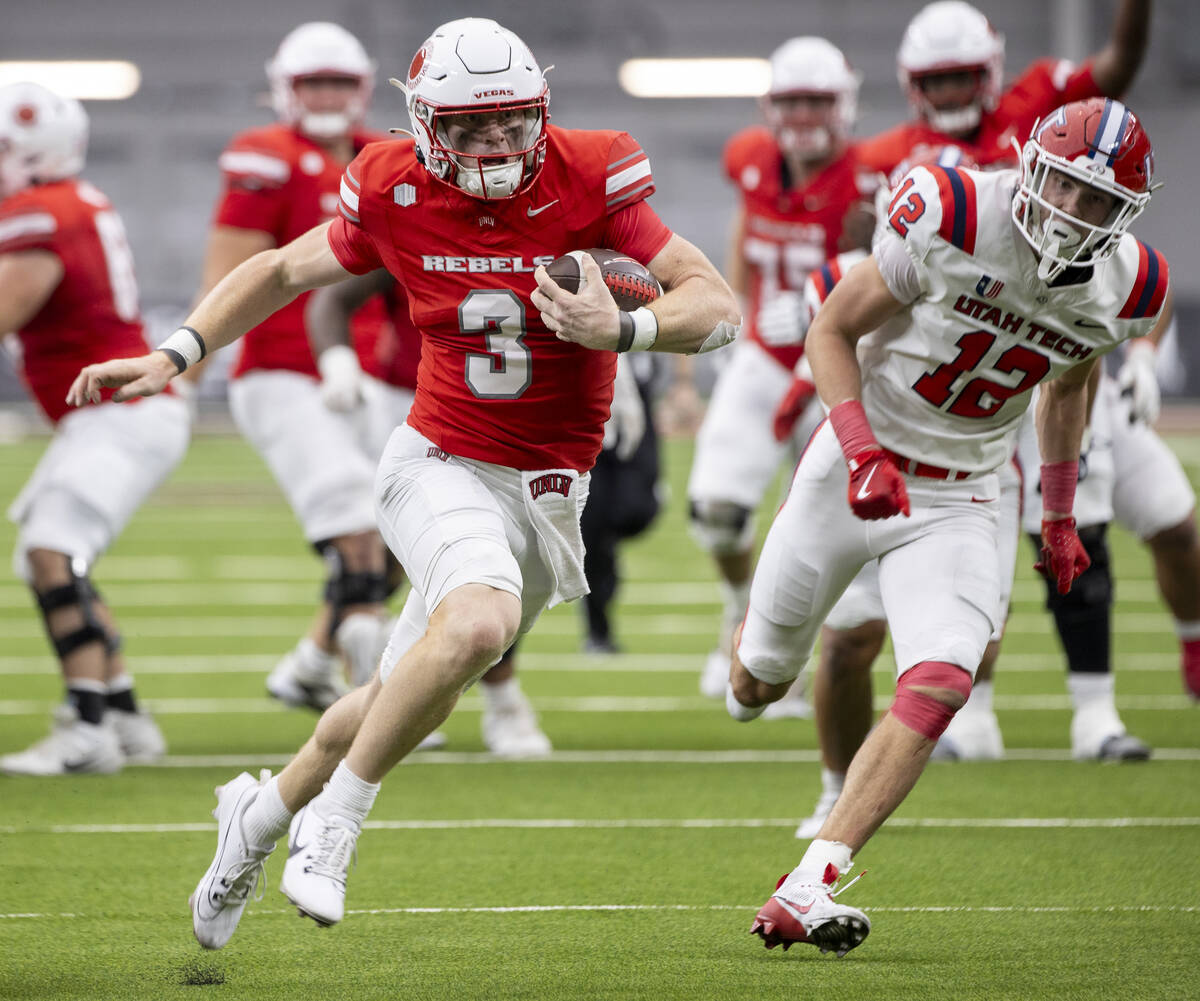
(852, 428)
(1058, 486)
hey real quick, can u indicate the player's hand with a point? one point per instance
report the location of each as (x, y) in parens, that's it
(876, 486)
(132, 377)
(589, 317)
(1063, 557)
(783, 319)
(626, 425)
(1139, 383)
(795, 401)
(341, 378)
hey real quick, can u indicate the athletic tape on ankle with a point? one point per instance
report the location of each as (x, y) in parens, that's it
(923, 713)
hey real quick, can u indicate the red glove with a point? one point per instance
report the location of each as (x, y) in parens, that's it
(1063, 557)
(795, 401)
(876, 486)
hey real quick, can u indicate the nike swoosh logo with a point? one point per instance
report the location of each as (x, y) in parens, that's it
(296, 849)
(531, 212)
(75, 766)
(863, 491)
(795, 910)
(1090, 326)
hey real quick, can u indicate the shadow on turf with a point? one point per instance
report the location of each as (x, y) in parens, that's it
(201, 972)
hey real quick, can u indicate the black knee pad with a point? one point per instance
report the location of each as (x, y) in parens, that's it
(82, 595)
(1083, 615)
(343, 589)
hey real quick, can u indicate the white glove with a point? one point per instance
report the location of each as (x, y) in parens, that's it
(783, 319)
(626, 425)
(1139, 383)
(341, 378)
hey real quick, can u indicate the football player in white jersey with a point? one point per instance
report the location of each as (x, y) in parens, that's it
(984, 286)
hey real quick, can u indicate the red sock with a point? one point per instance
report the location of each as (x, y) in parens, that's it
(1191, 667)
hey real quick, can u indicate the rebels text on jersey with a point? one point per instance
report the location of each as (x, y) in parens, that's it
(1047, 84)
(946, 381)
(494, 383)
(93, 313)
(788, 231)
(280, 182)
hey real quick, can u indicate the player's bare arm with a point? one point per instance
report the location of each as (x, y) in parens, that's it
(1115, 66)
(696, 312)
(1061, 417)
(27, 280)
(241, 300)
(735, 261)
(858, 304)
(327, 315)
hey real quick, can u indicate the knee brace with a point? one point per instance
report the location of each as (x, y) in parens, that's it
(344, 589)
(921, 712)
(82, 595)
(721, 528)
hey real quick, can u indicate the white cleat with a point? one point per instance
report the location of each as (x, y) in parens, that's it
(805, 911)
(971, 736)
(1097, 734)
(320, 852)
(72, 748)
(715, 675)
(138, 735)
(221, 895)
(511, 730)
(288, 683)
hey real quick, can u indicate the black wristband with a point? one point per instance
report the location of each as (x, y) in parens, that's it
(177, 359)
(625, 336)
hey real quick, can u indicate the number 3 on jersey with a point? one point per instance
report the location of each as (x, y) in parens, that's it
(503, 371)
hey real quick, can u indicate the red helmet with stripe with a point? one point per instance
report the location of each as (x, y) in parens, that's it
(1100, 143)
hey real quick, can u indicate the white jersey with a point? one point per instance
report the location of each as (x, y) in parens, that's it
(946, 381)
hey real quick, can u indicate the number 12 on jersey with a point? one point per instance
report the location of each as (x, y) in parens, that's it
(981, 397)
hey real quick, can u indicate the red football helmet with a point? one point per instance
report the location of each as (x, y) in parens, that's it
(1098, 142)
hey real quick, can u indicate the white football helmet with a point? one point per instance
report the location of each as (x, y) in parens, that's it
(945, 37)
(320, 48)
(43, 137)
(473, 65)
(811, 66)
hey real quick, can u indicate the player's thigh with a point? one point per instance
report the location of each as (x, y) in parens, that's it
(444, 525)
(1151, 492)
(737, 455)
(315, 455)
(101, 465)
(941, 588)
(814, 548)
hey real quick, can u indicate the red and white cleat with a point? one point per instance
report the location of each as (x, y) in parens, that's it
(805, 911)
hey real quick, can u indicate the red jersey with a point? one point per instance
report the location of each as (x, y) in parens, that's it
(393, 354)
(1038, 91)
(494, 383)
(789, 231)
(93, 314)
(282, 183)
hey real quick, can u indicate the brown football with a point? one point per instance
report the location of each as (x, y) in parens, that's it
(629, 282)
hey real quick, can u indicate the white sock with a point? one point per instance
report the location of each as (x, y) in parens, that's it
(832, 781)
(741, 713)
(736, 600)
(1091, 690)
(980, 699)
(1187, 630)
(266, 819)
(820, 854)
(346, 795)
(312, 663)
(500, 695)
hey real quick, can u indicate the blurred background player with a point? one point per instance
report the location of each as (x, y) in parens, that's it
(624, 497)
(801, 201)
(67, 289)
(280, 181)
(951, 67)
(380, 398)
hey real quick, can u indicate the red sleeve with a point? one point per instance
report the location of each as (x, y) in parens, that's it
(354, 249)
(1047, 84)
(636, 230)
(33, 228)
(628, 177)
(254, 195)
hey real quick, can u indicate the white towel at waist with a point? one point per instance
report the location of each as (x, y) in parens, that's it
(554, 500)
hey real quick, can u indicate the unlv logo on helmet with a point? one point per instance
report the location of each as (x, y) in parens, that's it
(417, 68)
(25, 114)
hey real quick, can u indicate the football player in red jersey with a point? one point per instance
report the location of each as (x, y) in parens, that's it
(800, 186)
(951, 68)
(508, 724)
(279, 181)
(479, 493)
(67, 289)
